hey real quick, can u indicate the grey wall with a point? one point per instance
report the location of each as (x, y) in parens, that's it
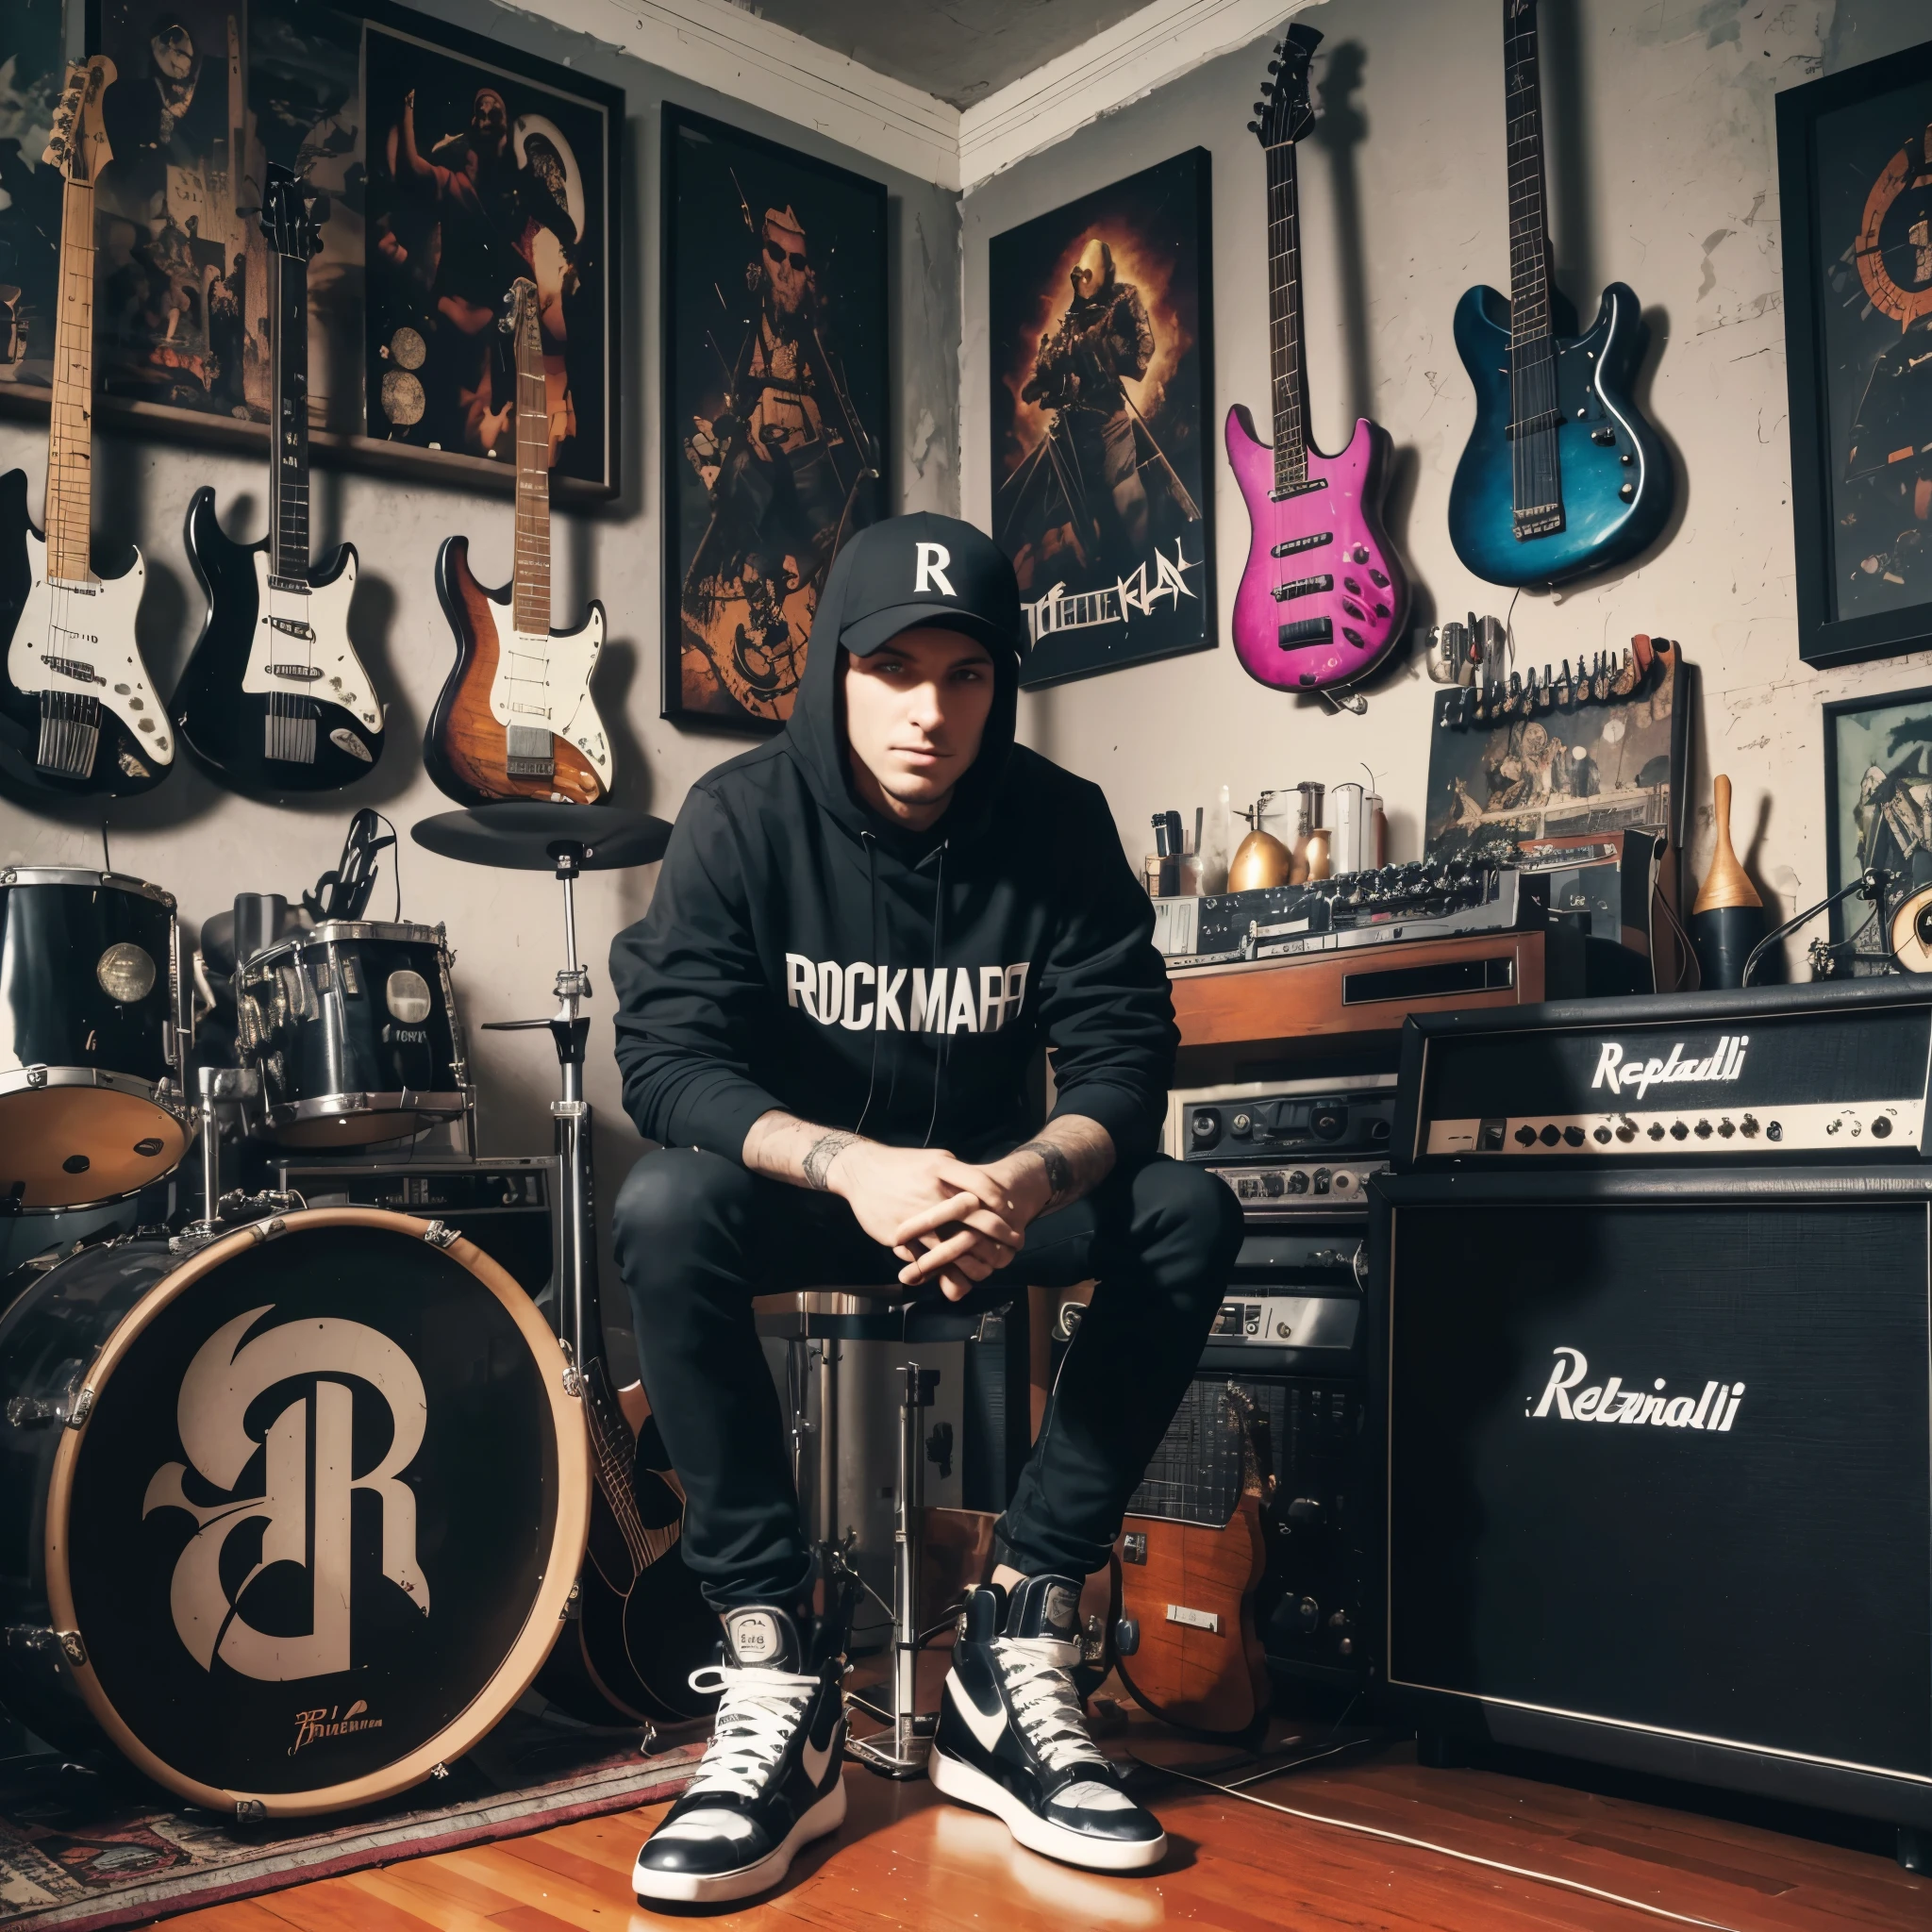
(205, 845)
(1664, 175)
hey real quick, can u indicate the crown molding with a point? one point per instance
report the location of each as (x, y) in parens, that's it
(755, 60)
(1158, 44)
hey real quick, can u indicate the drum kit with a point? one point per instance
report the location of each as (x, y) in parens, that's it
(298, 1498)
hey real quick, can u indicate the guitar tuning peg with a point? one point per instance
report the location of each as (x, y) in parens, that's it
(1254, 128)
(1268, 89)
(1274, 67)
(1260, 107)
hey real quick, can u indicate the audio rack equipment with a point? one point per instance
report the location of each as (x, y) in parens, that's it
(1417, 901)
(1288, 1148)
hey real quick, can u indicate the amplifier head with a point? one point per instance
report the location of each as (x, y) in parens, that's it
(1288, 1147)
(1828, 1074)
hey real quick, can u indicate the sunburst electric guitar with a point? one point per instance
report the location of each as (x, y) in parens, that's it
(275, 698)
(78, 711)
(516, 719)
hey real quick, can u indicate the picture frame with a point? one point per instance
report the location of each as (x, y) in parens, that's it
(1878, 802)
(1857, 297)
(775, 396)
(1100, 318)
(180, 292)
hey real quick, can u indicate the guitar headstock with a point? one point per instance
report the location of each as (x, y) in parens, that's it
(521, 325)
(1283, 113)
(80, 147)
(293, 212)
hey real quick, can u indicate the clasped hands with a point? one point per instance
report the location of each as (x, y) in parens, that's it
(949, 1220)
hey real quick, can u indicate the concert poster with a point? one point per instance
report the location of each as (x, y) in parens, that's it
(480, 177)
(1877, 814)
(775, 385)
(1100, 325)
(1874, 214)
(31, 71)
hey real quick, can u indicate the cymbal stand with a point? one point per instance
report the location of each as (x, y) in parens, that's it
(568, 1029)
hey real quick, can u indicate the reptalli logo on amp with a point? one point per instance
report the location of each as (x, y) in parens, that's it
(1725, 1061)
(1716, 1409)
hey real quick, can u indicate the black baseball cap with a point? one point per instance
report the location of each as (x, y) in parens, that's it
(921, 569)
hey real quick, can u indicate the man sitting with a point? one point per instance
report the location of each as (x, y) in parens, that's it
(862, 934)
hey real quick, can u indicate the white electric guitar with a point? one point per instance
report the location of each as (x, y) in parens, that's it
(516, 717)
(78, 711)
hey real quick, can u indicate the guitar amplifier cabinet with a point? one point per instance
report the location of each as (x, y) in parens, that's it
(1650, 1342)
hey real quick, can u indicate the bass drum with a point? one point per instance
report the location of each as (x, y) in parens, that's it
(91, 1037)
(353, 1029)
(294, 1517)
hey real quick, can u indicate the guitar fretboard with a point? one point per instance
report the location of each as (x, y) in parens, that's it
(532, 594)
(70, 441)
(1285, 320)
(288, 420)
(1534, 413)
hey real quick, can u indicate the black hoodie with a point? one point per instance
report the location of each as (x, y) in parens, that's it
(803, 953)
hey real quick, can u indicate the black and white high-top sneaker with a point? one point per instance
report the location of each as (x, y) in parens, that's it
(1012, 1739)
(770, 1780)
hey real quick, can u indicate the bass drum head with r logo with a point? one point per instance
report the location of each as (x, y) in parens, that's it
(321, 1525)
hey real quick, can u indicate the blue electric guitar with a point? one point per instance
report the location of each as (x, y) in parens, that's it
(1562, 475)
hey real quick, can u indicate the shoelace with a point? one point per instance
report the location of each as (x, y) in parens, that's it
(758, 1713)
(1046, 1703)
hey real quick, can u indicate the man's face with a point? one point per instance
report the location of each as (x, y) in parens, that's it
(172, 49)
(1089, 271)
(787, 266)
(915, 713)
(489, 122)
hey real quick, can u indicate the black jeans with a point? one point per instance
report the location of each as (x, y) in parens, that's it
(697, 1236)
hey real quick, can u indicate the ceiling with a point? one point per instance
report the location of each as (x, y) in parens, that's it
(960, 50)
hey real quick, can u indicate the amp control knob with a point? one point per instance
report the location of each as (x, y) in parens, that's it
(1574, 1136)
(1549, 1136)
(1204, 1127)
(1881, 1128)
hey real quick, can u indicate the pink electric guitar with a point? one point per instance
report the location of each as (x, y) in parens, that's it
(1323, 596)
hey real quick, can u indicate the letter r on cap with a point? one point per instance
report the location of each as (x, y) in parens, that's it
(933, 560)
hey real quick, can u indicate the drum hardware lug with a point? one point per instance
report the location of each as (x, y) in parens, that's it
(250, 1808)
(572, 1603)
(37, 1077)
(439, 1771)
(569, 1109)
(267, 1230)
(573, 1379)
(440, 1236)
(72, 1648)
(83, 1408)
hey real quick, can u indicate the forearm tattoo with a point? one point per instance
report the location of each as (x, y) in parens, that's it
(817, 1164)
(1059, 1165)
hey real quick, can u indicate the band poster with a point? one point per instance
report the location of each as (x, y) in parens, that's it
(776, 384)
(1873, 206)
(451, 167)
(1103, 491)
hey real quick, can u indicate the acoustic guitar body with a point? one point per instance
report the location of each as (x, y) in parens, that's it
(466, 746)
(1190, 1590)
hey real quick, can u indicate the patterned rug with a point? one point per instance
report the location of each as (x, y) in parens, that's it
(79, 1853)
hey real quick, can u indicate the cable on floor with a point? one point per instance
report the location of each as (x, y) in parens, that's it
(1616, 1898)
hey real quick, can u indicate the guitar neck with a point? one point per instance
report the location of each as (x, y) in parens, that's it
(70, 439)
(532, 591)
(289, 416)
(1285, 320)
(1529, 236)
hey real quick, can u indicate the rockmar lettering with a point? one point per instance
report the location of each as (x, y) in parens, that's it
(1715, 1409)
(947, 999)
(1726, 1061)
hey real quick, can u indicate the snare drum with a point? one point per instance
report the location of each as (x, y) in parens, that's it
(92, 1036)
(296, 1514)
(353, 1027)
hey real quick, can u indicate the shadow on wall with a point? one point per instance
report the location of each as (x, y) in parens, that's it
(1340, 130)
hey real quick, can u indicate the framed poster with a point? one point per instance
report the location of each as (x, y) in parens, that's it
(776, 382)
(451, 164)
(1854, 178)
(1878, 812)
(1103, 492)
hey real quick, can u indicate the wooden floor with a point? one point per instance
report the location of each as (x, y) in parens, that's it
(906, 1858)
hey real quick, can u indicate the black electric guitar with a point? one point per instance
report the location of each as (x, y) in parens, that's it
(275, 698)
(78, 711)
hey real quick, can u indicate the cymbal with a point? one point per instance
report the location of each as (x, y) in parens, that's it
(531, 835)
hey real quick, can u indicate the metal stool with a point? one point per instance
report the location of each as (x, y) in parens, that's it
(827, 1317)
